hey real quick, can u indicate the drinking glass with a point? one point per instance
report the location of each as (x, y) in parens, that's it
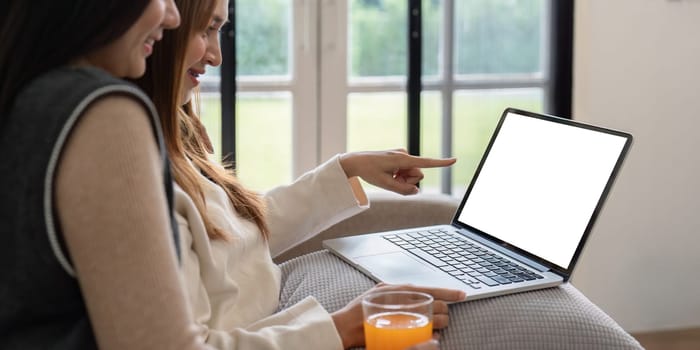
(397, 320)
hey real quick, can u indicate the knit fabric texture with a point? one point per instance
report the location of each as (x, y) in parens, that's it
(551, 318)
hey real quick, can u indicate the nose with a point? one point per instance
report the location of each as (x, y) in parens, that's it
(213, 55)
(172, 15)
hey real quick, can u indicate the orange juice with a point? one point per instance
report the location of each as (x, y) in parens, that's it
(397, 330)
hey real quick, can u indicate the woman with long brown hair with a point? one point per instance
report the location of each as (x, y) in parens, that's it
(229, 233)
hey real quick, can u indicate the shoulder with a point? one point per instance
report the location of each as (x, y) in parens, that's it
(103, 92)
(116, 114)
(118, 109)
(88, 95)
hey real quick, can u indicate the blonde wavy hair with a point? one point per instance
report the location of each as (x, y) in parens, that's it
(185, 137)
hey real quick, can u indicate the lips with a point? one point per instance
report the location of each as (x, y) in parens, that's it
(150, 42)
(194, 75)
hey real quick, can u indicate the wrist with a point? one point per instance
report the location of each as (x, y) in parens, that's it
(347, 332)
(341, 329)
(347, 163)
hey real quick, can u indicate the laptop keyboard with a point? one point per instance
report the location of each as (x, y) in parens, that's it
(461, 258)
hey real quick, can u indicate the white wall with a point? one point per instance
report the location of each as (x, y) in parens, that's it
(637, 68)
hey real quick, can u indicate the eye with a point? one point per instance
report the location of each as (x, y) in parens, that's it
(210, 30)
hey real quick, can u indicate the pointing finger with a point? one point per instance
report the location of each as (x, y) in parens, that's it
(422, 162)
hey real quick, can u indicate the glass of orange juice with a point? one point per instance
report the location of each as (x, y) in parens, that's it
(397, 320)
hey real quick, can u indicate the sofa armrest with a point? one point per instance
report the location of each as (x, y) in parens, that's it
(388, 211)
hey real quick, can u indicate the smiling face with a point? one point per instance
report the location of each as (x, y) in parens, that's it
(203, 50)
(126, 56)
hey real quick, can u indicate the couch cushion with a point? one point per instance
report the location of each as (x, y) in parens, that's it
(553, 318)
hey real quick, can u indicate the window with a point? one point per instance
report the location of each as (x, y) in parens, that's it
(315, 78)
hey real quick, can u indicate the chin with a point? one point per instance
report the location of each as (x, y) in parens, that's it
(136, 72)
(186, 97)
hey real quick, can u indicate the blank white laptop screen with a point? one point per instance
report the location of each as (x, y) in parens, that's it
(540, 184)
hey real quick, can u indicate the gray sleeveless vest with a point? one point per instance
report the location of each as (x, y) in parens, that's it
(41, 306)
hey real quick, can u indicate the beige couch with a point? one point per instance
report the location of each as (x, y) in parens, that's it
(552, 318)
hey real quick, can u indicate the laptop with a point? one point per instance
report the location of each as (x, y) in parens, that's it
(524, 218)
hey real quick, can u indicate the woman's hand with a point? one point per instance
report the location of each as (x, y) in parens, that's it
(393, 170)
(350, 323)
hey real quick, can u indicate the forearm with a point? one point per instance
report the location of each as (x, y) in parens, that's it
(305, 325)
(315, 201)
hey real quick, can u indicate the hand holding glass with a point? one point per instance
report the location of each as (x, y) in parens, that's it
(397, 320)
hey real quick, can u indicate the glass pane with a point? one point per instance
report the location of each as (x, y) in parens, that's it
(432, 30)
(377, 40)
(431, 138)
(210, 113)
(376, 121)
(499, 36)
(475, 115)
(263, 140)
(263, 37)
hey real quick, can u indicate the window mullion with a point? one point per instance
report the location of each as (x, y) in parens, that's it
(561, 51)
(304, 87)
(228, 87)
(415, 60)
(447, 90)
(333, 91)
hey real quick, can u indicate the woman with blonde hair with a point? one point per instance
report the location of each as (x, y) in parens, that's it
(229, 233)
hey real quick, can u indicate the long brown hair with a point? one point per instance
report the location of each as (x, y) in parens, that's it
(181, 124)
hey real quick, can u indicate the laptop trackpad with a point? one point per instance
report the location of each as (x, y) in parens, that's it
(394, 267)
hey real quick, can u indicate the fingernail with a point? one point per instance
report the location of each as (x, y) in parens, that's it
(462, 296)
